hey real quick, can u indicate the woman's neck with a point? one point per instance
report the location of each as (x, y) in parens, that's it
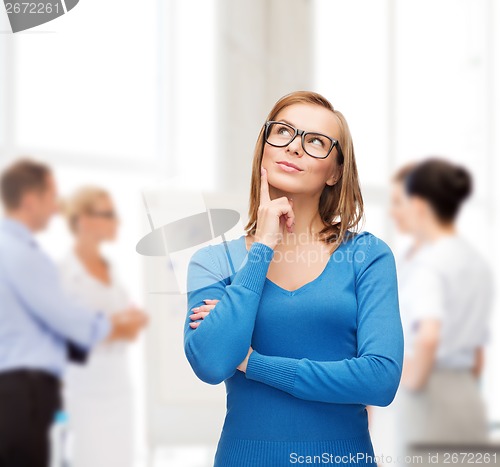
(87, 249)
(435, 232)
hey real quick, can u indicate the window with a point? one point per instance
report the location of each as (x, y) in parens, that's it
(416, 78)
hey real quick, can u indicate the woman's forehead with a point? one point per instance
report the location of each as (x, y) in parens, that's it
(310, 117)
(103, 200)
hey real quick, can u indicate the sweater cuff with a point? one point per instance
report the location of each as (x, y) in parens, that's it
(253, 274)
(278, 372)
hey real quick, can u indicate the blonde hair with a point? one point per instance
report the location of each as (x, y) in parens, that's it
(342, 201)
(81, 202)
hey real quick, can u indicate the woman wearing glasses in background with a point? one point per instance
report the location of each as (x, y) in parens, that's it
(98, 395)
(306, 332)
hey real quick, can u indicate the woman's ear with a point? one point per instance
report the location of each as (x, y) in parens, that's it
(335, 176)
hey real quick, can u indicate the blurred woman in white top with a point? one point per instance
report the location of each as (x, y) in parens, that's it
(446, 292)
(98, 396)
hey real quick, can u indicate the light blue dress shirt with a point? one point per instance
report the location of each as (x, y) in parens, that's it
(37, 317)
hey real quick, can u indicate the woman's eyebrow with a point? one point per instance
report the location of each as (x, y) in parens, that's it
(286, 121)
(290, 123)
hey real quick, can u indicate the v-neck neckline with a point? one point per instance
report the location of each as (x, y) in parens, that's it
(302, 287)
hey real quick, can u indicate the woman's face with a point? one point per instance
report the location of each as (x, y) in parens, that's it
(400, 208)
(313, 173)
(102, 222)
(420, 215)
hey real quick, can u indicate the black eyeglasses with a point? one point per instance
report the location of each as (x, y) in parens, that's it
(316, 145)
(104, 214)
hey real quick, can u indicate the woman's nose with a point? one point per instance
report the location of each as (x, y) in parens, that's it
(296, 145)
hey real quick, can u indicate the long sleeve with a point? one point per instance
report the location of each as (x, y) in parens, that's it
(221, 342)
(35, 281)
(371, 377)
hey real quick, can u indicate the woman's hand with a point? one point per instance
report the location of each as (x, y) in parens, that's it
(243, 365)
(202, 311)
(272, 215)
(127, 324)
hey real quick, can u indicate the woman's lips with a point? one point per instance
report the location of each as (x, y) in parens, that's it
(287, 168)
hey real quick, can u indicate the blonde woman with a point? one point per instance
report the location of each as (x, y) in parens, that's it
(98, 395)
(301, 322)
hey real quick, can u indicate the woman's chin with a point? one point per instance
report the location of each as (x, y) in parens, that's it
(284, 182)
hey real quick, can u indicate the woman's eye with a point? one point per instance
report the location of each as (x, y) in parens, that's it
(284, 131)
(317, 141)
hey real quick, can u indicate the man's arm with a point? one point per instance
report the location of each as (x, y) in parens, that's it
(34, 279)
(124, 326)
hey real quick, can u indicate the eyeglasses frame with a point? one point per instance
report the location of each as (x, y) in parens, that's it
(103, 214)
(302, 134)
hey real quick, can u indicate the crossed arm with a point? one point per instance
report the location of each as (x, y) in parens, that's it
(371, 377)
(216, 347)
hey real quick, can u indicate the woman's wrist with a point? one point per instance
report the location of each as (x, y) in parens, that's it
(253, 274)
(267, 240)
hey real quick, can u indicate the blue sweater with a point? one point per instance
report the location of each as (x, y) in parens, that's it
(321, 352)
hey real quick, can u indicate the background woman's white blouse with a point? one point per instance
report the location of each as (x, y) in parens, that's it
(99, 395)
(451, 281)
(107, 367)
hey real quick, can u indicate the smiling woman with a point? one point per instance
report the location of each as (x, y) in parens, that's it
(338, 193)
(307, 331)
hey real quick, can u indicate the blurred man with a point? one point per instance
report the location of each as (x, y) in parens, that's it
(39, 323)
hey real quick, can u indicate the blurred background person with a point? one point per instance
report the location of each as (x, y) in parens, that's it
(399, 212)
(99, 396)
(38, 318)
(446, 290)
